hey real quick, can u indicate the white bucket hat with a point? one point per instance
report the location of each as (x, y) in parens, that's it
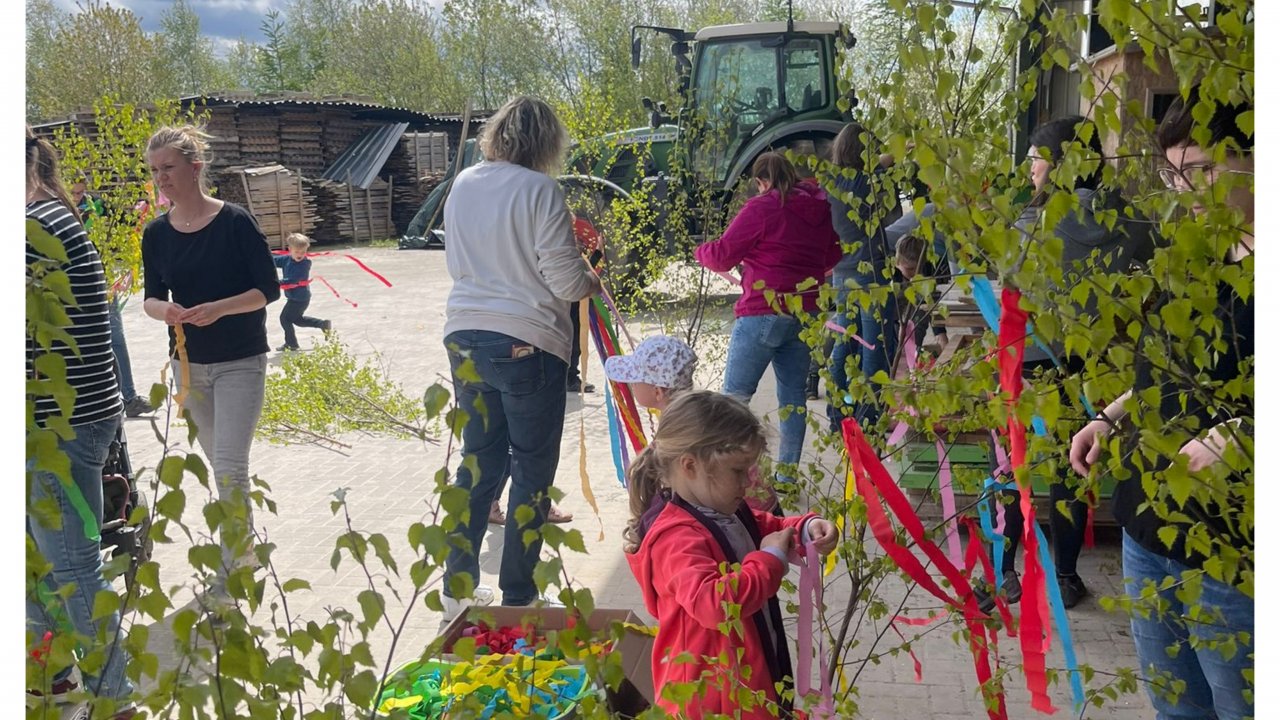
(661, 361)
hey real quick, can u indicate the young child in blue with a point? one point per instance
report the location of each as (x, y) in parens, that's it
(296, 284)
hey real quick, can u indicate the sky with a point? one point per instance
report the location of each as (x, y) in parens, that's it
(224, 21)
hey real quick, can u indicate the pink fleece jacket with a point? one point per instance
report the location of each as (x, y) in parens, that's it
(785, 248)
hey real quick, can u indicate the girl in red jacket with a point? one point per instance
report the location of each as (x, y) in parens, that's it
(710, 567)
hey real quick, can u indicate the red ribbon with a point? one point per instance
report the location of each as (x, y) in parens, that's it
(352, 258)
(1013, 331)
(305, 283)
(874, 484)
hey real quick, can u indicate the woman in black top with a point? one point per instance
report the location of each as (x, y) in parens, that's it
(208, 272)
(1211, 410)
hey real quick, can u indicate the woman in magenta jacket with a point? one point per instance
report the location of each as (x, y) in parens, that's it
(784, 241)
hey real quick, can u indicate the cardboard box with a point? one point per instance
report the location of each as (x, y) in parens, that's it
(635, 648)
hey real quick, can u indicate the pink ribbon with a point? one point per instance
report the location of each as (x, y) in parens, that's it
(1002, 466)
(832, 326)
(730, 277)
(949, 507)
(811, 599)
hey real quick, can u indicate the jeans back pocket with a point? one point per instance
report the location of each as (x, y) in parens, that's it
(520, 376)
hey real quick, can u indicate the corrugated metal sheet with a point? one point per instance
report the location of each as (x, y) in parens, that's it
(360, 163)
(297, 99)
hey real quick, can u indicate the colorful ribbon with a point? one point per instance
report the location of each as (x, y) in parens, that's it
(874, 485)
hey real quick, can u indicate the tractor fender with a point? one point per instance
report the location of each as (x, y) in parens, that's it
(773, 137)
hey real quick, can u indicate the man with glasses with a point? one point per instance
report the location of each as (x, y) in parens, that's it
(1207, 642)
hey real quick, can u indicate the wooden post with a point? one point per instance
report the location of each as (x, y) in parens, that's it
(391, 198)
(351, 203)
(248, 198)
(279, 211)
(417, 159)
(302, 217)
(368, 209)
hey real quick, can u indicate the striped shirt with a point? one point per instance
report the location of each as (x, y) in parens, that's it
(91, 373)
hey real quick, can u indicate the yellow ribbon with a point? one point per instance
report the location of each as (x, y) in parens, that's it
(184, 367)
(584, 338)
(830, 565)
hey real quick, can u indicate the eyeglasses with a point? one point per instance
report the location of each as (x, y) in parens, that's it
(1184, 180)
(1181, 179)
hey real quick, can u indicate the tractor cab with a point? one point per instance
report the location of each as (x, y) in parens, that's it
(752, 78)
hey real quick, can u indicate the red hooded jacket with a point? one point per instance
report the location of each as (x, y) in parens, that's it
(678, 567)
(782, 244)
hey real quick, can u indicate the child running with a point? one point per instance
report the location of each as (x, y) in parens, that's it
(296, 284)
(709, 567)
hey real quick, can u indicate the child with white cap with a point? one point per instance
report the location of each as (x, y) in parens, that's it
(660, 368)
(656, 370)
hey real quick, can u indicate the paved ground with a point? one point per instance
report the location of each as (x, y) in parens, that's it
(388, 481)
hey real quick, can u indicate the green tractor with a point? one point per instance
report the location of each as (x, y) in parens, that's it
(744, 89)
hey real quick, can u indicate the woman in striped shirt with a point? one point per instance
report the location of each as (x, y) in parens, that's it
(94, 419)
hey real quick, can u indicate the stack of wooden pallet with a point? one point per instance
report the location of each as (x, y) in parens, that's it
(225, 145)
(352, 214)
(300, 141)
(279, 201)
(340, 131)
(259, 131)
(427, 152)
(416, 166)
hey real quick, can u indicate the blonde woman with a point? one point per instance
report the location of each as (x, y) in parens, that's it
(516, 268)
(208, 270)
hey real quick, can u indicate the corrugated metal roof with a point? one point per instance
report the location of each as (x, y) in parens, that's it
(299, 99)
(360, 163)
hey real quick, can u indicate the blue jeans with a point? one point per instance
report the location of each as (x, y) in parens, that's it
(875, 323)
(1215, 684)
(518, 432)
(119, 348)
(757, 341)
(75, 557)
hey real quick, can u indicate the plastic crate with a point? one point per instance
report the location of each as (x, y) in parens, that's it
(921, 470)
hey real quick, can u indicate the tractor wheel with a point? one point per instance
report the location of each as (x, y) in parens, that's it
(623, 268)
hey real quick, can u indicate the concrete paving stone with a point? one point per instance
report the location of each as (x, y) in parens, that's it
(390, 480)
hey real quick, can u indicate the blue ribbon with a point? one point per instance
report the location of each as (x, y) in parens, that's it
(991, 487)
(616, 447)
(1060, 619)
(615, 439)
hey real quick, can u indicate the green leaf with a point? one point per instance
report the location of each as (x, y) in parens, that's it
(295, 584)
(434, 400)
(44, 242)
(371, 605)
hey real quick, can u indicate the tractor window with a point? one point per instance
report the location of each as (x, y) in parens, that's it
(805, 83)
(736, 90)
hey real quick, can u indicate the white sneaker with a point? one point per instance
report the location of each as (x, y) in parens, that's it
(483, 595)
